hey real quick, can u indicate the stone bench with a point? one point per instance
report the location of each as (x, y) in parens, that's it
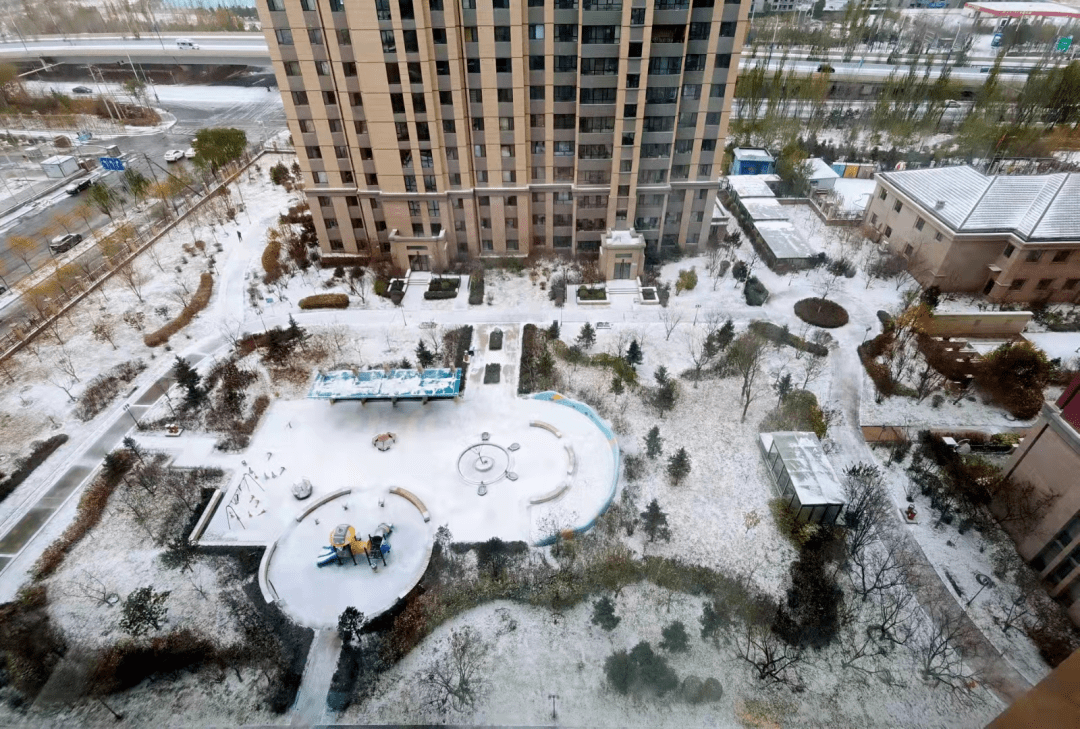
(551, 495)
(571, 460)
(546, 426)
(412, 499)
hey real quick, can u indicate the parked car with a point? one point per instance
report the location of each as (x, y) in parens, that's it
(82, 90)
(66, 242)
(78, 186)
(186, 44)
(825, 68)
(174, 154)
(189, 152)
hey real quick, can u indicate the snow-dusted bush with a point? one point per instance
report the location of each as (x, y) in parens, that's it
(325, 301)
(755, 292)
(198, 303)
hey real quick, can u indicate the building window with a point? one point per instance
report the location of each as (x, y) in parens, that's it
(320, 178)
(406, 159)
(1017, 284)
(502, 33)
(478, 123)
(275, 6)
(504, 96)
(1009, 250)
(410, 183)
(919, 223)
(888, 231)
(536, 63)
(389, 45)
(503, 65)
(883, 195)
(446, 98)
(566, 64)
(723, 60)
(313, 152)
(630, 111)
(479, 150)
(566, 33)
(422, 132)
(1044, 284)
(342, 152)
(472, 65)
(438, 36)
(637, 16)
(565, 93)
(397, 103)
(347, 177)
(897, 206)
(402, 129)
(665, 65)
(292, 68)
(695, 62)
(429, 184)
(356, 99)
(306, 126)
(536, 93)
(712, 118)
(700, 31)
(314, 36)
(476, 96)
(442, 68)
(565, 121)
(419, 104)
(536, 31)
(634, 50)
(633, 80)
(349, 68)
(412, 43)
(716, 91)
(417, 229)
(564, 149)
(1033, 256)
(727, 30)
(937, 235)
(597, 34)
(344, 38)
(300, 98)
(506, 123)
(284, 37)
(1071, 283)
(1061, 257)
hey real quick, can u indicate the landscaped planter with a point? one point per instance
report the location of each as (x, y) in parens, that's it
(443, 288)
(592, 296)
(649, 296)
(397, 290)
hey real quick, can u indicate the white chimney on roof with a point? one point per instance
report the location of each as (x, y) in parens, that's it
(939, 205)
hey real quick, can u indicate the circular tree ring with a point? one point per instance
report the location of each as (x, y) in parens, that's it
(821, 313)
(483, 463)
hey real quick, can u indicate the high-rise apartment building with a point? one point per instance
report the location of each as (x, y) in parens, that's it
(431, 131)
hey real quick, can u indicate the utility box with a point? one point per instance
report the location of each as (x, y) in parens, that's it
(60, 166)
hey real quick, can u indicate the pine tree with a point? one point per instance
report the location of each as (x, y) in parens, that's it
(679, 466)
(675, 638)
(143, 609)
(132, 445)
(633, 353)
(295, 331)
(617, 386)
(553, 331)
(424, 356)
(654, 522)
(603, 614)
(654, 444)
(725, 335)
(661, 375)
(189, 379)
(783, 388)
(586, 338)
(349, 624)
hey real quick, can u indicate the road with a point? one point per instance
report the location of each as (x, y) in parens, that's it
(247, 106)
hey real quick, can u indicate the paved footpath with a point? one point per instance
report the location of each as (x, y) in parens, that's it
(310, 708)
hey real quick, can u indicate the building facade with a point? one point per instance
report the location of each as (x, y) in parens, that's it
(1015, 238)
(1049, 459)
(434, 131)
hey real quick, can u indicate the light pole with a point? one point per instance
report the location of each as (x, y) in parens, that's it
(127, 409)
(168, 399)
(697, 308)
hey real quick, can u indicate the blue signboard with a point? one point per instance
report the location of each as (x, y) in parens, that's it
(112, 163)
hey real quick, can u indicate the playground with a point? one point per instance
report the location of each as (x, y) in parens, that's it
(516, 469)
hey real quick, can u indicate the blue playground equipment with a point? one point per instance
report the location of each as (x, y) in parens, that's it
(344, 543)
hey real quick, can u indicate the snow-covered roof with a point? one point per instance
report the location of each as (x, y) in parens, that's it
(820, 169)
(784, 240)
(382, 385)
(764, 208)
(812, 476)
(719, 211)
(622, 239)
(1034, 207)
(752, 154)
(1020, 10)
(752, 185)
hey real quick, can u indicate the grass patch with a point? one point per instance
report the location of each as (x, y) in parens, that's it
(821, 313)
(197, 304)
(799, 412)
(537, 372)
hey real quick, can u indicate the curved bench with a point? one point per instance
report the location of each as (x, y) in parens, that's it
(546, 426)
(267, 589)
(208, 513)
(323, 500)
(571, 459)
(551, 495)
(411, 498)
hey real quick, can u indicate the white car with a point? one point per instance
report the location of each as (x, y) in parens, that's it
(174, 155)
(186, 44)
(190, 153)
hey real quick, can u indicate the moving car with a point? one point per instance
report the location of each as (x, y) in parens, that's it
(190, 153)
(78, 186)
(82, 90)
(65, 242)
(187, 44)
(174, 154)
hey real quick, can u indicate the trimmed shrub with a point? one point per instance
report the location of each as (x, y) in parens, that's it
(491, 373)
(587, 293)
(129, 663)
(197, 304)
(440, 284)
(687, 281)
(325, 301)
(1015, 376)
(343, 683)
(800, 412)
(429, 295)
(476, 287)
(537, 371)
(495, 341)
(640, 670)
(821, 313)
(781, 335)
(29, 645)
(104, 388)
(755, 292)
(25, 466)
(271, 260)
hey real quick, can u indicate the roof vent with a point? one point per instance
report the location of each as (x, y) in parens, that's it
(939, 204)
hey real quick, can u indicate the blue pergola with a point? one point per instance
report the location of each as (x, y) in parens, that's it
(392, 385)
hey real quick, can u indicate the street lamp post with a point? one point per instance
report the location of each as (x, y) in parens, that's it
(127, 409)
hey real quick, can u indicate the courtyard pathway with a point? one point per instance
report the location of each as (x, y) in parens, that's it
(310, 708)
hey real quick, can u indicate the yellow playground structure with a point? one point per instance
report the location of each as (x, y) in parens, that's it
(344, 543)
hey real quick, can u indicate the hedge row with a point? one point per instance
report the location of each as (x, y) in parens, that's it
(197, 304)
(104, 388)
(781, 335)
(26, 465)
(440, 294)
(537, 371)
(91, 508)
(325, 301)
(476, 288)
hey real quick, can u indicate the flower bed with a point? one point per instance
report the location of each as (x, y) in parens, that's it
(821, 313)
(589, 295)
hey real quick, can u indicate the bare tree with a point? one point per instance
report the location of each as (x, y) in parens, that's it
(66, 365)
(745, 356)
(866, 508)
(815, 366)
(714, 264)
(1015, 612)
(155, 256)
(90, 586)
(877, 570)
(102, 330)
(702, 348)
(1020, 503)
(24, 248)
(927, 380)
(829, 280)
(670, 318)
(895, 612)
(456, 680)
(132, 278)
(937, 650)
(774, 660)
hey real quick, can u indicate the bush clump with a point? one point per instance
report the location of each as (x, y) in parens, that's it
(325, 301)
(495, 341)
(821, 313)
(687, 281)
(476, 287)
(781, 335)
(25, 466)
(799, 411)
(537, 372)
(1015, 376)
(492, 373)
(271, 259)
(198, 303)
(755, 292)
(641, 670)
(104, 388)
(587, 293)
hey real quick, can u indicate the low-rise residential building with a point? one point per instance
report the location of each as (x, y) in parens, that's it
(1049, 459)
(1015, 238)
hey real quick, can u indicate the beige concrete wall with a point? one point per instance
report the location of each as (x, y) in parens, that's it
(1053, 702)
